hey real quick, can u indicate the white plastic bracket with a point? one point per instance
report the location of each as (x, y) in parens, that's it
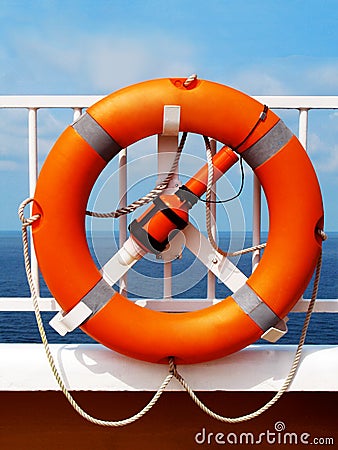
(167, 144)
(64, 323)
(219, 265)
(171, 120)
(122, 261)
(273, 334)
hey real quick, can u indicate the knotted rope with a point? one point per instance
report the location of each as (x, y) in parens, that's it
(173, 372)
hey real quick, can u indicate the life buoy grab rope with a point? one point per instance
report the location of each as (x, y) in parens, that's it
(207, 108)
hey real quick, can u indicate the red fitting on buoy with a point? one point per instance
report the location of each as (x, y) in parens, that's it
(169, 212)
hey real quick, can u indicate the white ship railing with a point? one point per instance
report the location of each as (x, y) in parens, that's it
(303, 104)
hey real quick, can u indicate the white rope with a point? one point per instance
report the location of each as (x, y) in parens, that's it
(298, 353)
(172, 367)
(25, 223)
(190, 79)
(148, 197)
(157, 189)
(208, 212)
(287, 381)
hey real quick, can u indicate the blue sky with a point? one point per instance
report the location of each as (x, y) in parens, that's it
(95, 47)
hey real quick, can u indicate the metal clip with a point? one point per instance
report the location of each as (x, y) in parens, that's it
(264, 113)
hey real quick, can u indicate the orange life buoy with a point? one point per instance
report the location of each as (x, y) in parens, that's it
(207, 108)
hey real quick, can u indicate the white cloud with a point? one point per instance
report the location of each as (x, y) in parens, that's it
(291, 75)
(323, 153)
(96, 63)
(330, 164)
(120, 62)
(324, 76)
(257, 81)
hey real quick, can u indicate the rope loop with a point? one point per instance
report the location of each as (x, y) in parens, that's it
(190, 79)
(158, 189)
(208, 208)
(173, 372)
(287, 382)
(208, 201)
(322, 234)
(27, 221)
(57, 375)
(172, 367)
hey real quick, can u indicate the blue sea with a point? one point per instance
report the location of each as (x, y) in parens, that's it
(189, 281)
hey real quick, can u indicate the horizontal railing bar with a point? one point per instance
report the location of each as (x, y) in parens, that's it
(17, 304)
(321, 305)
(48, 101)
(83, 101)
(300, 101)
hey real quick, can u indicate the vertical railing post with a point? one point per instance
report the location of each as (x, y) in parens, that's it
(211, 279)
(303, 126)
(123, 203)
(77, 113)
(33, 176)
(167, 148)
(256, 221)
